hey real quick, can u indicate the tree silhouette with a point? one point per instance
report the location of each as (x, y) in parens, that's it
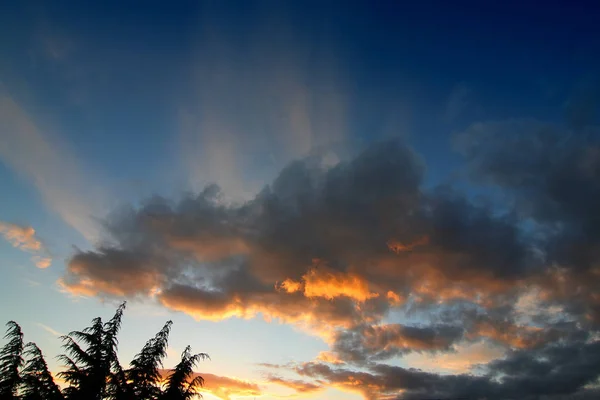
(92, 368)
(144, 374)
(86, 371)
(37, 381)
(181, 384)
(11, 360)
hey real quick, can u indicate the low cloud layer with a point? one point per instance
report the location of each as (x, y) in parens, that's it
(386, 271)
(226, 388)
(299, 386)
(553, 372)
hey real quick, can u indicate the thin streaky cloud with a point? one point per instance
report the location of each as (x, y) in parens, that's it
(50, 166)
(32, 283)
(246, 121)
(49, 329)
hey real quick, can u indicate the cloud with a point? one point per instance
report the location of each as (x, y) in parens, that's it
(250, 112)
(457, 102)
(299, 386)
(42, 262)
(321, 282)
(552, 182)
(24, 238)
(49, 165)
(462, 359)
(20, 237)
(528, 374)
(225, 388)
(49, 330)
(343, 251)
(380, 342)
(118, 273)
(329, 357)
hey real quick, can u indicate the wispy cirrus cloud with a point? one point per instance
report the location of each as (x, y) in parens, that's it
(251, 112)
(50, 330)
(49, 165)
(24, 238)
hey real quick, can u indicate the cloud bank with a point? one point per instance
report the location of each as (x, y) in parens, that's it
(386, 271)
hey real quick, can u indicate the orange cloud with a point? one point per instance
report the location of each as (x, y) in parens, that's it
(329, 357)
(224, 387)
(42, 262)
(461, 360)
(394, 298)
(328, 284)
(298, 385)
(290, 286)
(318, 316)
(206, 306)
(24, 238)
(429, 282)
(21, 237)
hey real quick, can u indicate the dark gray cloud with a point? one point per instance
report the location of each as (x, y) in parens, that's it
(370, 343)
(344, 216)
(343, 249)
(550, 372)
(478, 236)
(552, 175)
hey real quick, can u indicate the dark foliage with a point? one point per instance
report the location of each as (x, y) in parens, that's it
(92, 368)
(11, 360)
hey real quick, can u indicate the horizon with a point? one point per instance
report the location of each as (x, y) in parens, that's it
(374, 200)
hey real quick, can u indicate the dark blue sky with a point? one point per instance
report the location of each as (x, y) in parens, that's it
(436, 66)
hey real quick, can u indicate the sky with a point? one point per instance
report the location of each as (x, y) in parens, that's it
(334, 200)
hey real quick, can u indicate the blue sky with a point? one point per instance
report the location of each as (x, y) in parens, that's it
(104, 105)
